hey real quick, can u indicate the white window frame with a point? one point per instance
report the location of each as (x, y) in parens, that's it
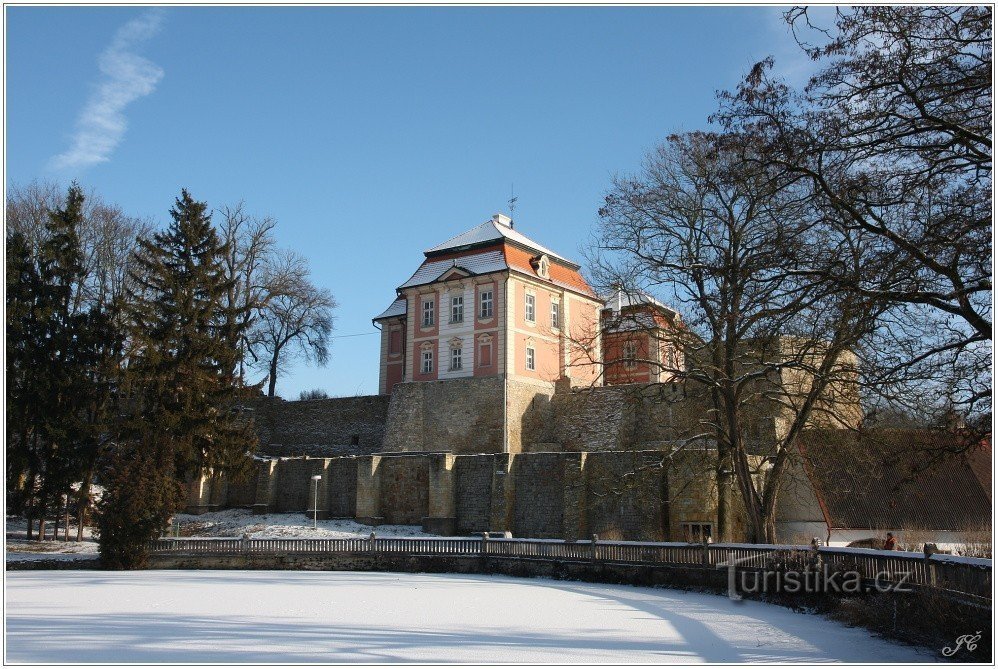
(530, 360)
(427, 360)
(457, 309)
(485, 304)
(630, 354)
(556, 315)
(693, 532)
(456, 354)
(428, 313)
(529, 308)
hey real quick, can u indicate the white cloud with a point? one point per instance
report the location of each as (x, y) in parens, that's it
(125, 77)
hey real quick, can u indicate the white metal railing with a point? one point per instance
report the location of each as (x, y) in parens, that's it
(963, 576)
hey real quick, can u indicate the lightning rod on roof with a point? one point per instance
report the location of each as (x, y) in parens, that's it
(512, 205)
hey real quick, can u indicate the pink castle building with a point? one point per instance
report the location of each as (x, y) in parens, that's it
(488, 302)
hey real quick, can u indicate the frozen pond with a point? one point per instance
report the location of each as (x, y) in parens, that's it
(282, 616)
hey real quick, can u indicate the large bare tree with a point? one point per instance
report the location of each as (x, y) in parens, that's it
(739, 248)
(296, 322)
(895, 134)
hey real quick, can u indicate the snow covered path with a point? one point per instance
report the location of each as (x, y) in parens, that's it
(281, 616)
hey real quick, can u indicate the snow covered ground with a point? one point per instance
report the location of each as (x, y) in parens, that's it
(229, 523)
(236, 522)
(18, 548)
(270, 616)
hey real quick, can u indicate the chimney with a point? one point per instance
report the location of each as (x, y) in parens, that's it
(502, 219)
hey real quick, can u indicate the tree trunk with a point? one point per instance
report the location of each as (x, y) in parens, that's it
(65, 525)
(723, 476)
(272, 383)
(83, 501)
(29, 509)
(55, 519)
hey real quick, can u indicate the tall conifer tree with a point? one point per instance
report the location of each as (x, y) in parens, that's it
(184, 343)
(183, 393)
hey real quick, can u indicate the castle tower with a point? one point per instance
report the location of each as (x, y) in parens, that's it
(491, 301)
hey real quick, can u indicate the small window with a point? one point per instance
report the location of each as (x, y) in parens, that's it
(529, 309)
(543, 267)
(630, 354)
(555, 315)
(485, 304)
(698, 533)
(455, 359)
(530, 358)
(427, 313)
(355, 440)
(457, 309)
(427, 362)
(396, 342)
(485, 355)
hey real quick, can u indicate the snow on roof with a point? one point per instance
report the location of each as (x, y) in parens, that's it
(632, 298)
(397, 308)
(476, 263)
(493, 229)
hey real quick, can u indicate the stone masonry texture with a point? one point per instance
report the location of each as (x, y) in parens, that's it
(321, 428)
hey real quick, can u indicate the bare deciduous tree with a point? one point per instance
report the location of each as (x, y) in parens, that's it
(296, 322)
(738, 247)
(895, 134)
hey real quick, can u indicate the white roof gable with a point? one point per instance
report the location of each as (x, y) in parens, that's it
(621, 299)
(476, 263)
(491, 230)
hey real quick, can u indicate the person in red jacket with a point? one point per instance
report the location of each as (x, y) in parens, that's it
(890, 543)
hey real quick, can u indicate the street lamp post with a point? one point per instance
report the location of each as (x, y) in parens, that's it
(315, 502)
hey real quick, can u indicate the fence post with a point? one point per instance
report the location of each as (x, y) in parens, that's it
(485, 544)
(706, 554)
(370, 540)
(595, 539)
(244, 544)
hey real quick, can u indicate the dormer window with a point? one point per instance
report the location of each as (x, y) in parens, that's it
(543, 267)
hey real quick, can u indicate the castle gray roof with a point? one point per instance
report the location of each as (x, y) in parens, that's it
(397, 308)
(490, 231)
(477, 263)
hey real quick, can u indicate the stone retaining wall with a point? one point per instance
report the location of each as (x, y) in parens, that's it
(630, 495)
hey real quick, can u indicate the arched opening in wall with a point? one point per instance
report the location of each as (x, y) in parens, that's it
(355, 440)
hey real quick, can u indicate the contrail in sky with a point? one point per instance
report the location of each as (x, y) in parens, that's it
(125, 77)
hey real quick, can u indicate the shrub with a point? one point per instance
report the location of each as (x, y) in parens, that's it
(314, 394)
(140, 496)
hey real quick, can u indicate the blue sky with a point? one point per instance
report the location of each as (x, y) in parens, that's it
(370, 134)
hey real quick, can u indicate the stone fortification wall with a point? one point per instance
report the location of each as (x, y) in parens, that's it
(404, 489)
(473, 496)
(631, 417)
(538, 481)
(627, 495)
(630, 495)
(465, 416)
(455, 415)
(324, 428)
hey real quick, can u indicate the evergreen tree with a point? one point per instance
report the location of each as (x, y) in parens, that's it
(47, 362)
(183, 394)
(21, 282)
(184, 343)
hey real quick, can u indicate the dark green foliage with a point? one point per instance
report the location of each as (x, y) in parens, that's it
(140, 494)
(183, 395)
(185, 345)
(51, 354)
